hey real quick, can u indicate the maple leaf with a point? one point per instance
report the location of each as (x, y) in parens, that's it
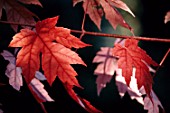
(96, 8)
(17, 13)
(14, 75)
(132, 90)
(106, 69)
(167, 17)
(37, 89)
(82, 102)
(56, 58)
(131, 56)
(12, 72)
(152, 106)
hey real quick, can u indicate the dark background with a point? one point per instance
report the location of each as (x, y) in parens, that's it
(151, 17)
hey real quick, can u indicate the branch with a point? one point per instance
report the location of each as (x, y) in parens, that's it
(162, 61)
(101, 34)
(122, 36)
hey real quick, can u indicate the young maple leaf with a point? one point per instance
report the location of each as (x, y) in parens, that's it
(96, 8)
(17, 13)
(131, 56)
(56, 58)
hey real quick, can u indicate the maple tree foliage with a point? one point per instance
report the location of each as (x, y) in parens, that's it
(131, 55)
(17, 13)
(49, 47)
(108, 67)
(97, 8)
(54, 43)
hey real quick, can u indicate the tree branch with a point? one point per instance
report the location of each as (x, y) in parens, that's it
(162, 61)
(101, 34)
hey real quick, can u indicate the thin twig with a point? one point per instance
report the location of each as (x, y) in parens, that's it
(43, 108)
(122, 36)
(162, 61)
(102, 34)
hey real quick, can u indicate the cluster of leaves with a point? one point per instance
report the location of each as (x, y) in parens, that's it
(50, 48)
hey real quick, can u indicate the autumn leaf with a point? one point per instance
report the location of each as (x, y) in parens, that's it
(106, 69)
(56, 58)
(120, 4)
(131, 56)
(153, 106)
(37, 89)
(82, 102)
(96, 8)
(12, 72)
(14, 75)
(17, 13)
(167, 17)
(132, 90)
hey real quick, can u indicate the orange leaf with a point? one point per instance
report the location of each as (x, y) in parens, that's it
(130, 56)
(56, 58)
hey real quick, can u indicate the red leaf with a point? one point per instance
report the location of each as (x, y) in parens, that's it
(56, 58)
(17, 13)
(130, 56)
(121, 5)
(113, 16)
(106, 69)
(96, 9)
(63, 36)
(82, 102)
(94, 13)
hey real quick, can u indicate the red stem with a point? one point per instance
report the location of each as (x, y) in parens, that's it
(101, 34)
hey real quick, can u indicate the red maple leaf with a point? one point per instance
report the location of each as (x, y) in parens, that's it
(131, 56)
(96, 8)
(56, 58)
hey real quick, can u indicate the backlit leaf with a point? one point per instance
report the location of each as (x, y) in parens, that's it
(130, 56)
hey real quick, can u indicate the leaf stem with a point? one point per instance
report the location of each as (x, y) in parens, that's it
(43, 108)
(162, 61)
(101, 34)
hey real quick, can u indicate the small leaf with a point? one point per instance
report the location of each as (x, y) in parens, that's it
(40, 76)
(14, 75)
(120, 4)
(8, 56)
(106, 69)
(39, 92)
(152, 106)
